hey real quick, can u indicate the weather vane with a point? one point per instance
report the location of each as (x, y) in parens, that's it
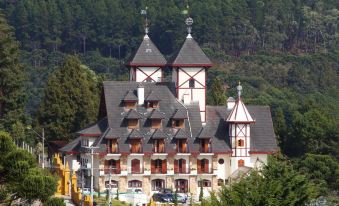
(189, 20)
(144, 12)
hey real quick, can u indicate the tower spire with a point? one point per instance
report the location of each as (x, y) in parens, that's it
(144, 12)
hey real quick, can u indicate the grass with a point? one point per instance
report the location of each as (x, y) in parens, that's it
(101, 201)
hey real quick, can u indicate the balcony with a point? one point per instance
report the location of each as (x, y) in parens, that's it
(136, 149)
(159, 150)
(182, 171)
(206, 149)
(137, 171)
(107, 170)
(111, 150)
(158, 171)
(205, 171)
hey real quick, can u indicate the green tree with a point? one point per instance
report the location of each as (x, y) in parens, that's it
(71, 100)
(218, 92)
(13, 77)
(276, 184)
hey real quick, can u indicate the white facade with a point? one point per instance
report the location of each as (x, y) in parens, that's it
(146, 74)
(191, 84)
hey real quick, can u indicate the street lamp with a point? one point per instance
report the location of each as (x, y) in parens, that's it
(42, 136)
(92, 153)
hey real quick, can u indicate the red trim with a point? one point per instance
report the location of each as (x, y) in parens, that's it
(262, 152)
(145, 65)
(90, 135)
(192, 77)
(191, 65)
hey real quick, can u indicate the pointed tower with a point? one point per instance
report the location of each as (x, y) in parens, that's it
(189, 67)
(239, 121)
(147, 64)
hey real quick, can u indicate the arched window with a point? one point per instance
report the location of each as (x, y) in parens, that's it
(241, 143)
(204, 183)
(134, 183)
(135, 166)
(181, 185)
(241, 163)
(191, 83)
(158, 184)
(114, 184)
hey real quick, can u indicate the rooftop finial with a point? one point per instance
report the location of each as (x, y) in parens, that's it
(239, 88)
(188, 21)
(144, 12)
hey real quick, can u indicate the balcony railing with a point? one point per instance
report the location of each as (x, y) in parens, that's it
(182, 171)
(112, 170)
(206, 150)
(205, 171)
(110, 151)
(158, 171)
(137, 171)
(159, 150)
(135, 150)
(182, 150)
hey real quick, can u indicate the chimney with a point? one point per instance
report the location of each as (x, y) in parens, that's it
(230, 103)
(141, 94)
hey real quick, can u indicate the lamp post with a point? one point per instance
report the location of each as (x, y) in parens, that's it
(42, 136)
(92, 177)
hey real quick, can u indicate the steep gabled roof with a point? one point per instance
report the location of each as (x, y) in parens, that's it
(240, 113)
(130, 97)
(95, 129)
(181, 134)
(133, 114)
(190, 54)
(152, 97)
(135, 134)
(159, 134)
(147, 55)
(180, 114)
(156, 114)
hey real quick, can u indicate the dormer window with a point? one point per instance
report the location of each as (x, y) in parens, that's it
(178, 123)
(156, 123)
(130, 105)
(85, 143)
(191, 83)
(133, 123)
(152, 104)
(205, 146)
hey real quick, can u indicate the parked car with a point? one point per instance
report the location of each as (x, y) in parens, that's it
(158, 197)
(182, 197)
(165, 191)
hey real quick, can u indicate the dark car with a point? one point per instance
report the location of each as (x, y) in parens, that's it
(165, 191)
(158, 197)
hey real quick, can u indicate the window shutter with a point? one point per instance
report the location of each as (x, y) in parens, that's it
(199, 166)
(164, 167)
(183, 166)
(118, 166)
(206, 166)
(184, 146)
(152, 166)
(176, 162)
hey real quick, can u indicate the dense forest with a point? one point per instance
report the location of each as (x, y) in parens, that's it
(285, 53)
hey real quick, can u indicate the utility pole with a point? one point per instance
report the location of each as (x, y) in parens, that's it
(92, 168)
(110, 186)
(43, 148)
(82, 186)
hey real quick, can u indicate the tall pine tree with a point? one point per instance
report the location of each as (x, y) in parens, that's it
(12, 78)
(70, 101)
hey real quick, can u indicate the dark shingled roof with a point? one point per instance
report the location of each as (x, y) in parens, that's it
(147, 55)
(133, 114)
(130, 97)
(156, 114)
(179, 114)
(216, 127)
(181, 134)
(159, 134)
(135, 134)
(152, 97)
(190, 54)
(95, 129)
